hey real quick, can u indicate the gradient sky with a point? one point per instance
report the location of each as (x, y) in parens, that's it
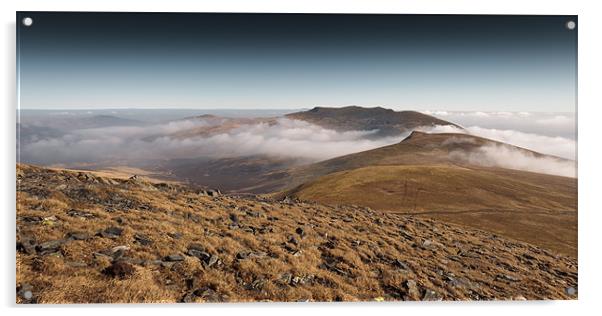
(209, 61)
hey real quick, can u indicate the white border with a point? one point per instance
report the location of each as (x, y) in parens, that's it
(590, 263)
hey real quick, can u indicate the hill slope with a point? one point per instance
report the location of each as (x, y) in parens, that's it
(421, 175)
(88, 239)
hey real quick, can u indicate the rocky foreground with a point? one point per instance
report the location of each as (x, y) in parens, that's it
(88, 239)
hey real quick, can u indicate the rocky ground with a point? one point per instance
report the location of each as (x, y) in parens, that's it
(88, 239)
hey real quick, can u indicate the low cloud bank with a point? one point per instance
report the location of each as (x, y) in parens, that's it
(556, 146)
(284, 138)
(552, 124)
(510, 158)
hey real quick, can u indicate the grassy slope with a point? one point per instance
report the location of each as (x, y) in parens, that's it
(343, 253)
(417, 176)
(530, 207)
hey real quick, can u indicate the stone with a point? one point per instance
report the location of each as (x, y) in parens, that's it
(430, 295)
(398, 263)
(174, 258)
(507, 277)
(80, 214)
(211, 261)
(26, 245)
(27, 295)
(570, 291)
(119, 269)
(32, 219)
(300, 231)
(254, 213)
(242, 255)
(49, 221)
(412, 288)
(49, 247)
(234, 219)
(118, 252)
(286, 278)
(112, 232)
(77, 236)
(196, 246)
(25, 291)
(187, 298)
(175, 235)
(142, 239)
(207, 294)
(203, 256)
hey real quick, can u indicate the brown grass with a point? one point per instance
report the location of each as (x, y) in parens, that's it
(344, 253)
(535, 208)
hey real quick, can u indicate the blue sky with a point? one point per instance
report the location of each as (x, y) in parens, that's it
(471, 63)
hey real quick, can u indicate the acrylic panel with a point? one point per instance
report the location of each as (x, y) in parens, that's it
(249, 157)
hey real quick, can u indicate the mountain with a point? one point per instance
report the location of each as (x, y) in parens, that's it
(353, 118)
(85, 238)
(423, 175)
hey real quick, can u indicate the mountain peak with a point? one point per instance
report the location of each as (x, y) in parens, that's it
(387, 121)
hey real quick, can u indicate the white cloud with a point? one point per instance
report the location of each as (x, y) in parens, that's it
(282, 138)
(511, 158)
(556, 146)
(545, 124)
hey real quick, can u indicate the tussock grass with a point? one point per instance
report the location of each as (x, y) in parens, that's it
(346, 253)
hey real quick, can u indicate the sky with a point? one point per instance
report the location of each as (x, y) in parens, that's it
(291, 61)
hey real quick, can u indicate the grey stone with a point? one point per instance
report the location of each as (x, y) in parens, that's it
(570, 291)
(430, 295)
(173, 258)
(212, 261)
(77, 236)
(49, 247)
(142, 239)
(111, 232)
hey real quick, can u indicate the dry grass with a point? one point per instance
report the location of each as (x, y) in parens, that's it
(279, 251)
(535, 208)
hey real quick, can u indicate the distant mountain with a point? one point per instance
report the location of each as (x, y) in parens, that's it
(57, 125)
(99, 121)
(386, 121)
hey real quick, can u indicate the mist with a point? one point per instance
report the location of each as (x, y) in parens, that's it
(558, 146)
(220, 137)
(279, 138)
(510, 158)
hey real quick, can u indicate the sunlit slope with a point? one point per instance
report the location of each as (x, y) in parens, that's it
(419, 176)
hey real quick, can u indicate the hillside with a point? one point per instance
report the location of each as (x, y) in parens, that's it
(421, 176)
(354, 118)
(82, 238)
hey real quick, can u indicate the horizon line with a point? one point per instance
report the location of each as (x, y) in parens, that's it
(282, 109)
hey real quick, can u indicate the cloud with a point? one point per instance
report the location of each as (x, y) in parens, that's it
(511, 158)
(282, 138)
(294, 139)
(541, 123)
(556, 146)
